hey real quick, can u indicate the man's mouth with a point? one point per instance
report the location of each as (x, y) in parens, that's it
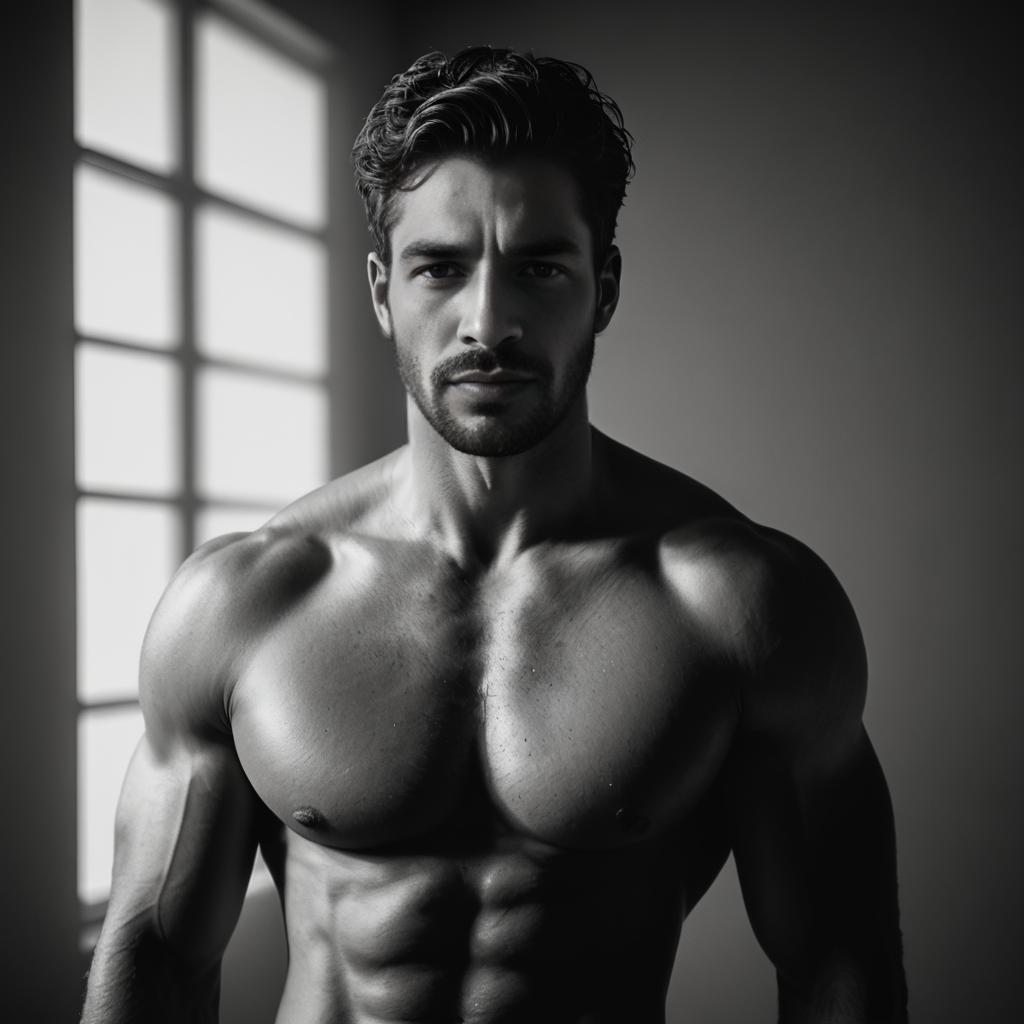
(495, 379)
(484, 376)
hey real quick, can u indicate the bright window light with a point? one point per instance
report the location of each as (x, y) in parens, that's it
(201, 399)
(259, 440)
(106, 740)
(127, 552)
(124, 79)
(261, 125)
(127, 433)
(126, 251)
(261, 293)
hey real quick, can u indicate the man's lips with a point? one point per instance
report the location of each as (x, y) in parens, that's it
(498, 378)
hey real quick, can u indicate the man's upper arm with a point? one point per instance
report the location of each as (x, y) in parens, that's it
(811, 818)
(187, 818)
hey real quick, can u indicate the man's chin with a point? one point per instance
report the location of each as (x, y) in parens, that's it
(491, 444)
(491, 436)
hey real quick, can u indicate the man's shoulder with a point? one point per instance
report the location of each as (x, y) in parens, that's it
(776, 613)
(719, 561)
(236, 578)
(705, 541)
(233, 588)
(209, 614)
(736, 577)
(763, 601)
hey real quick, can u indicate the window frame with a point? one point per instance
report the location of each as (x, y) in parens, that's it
(275, 31)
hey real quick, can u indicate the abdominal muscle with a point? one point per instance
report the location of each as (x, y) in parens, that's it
(484, 932)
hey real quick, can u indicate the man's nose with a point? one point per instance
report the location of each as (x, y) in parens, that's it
(490, 313)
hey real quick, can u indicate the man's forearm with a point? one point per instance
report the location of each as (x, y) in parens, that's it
(844, 993)
(138, 979)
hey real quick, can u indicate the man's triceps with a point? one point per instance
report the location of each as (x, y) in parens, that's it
(816, 858)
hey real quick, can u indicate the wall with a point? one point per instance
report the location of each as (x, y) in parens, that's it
(38, 899)
(821, 318)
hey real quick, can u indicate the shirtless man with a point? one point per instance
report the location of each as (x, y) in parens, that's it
(497, 707)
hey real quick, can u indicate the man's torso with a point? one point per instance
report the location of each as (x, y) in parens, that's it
(497, 791)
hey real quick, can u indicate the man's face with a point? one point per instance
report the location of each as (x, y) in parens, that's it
(492, 301)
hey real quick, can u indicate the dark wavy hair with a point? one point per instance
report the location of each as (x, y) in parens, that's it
(494, 104)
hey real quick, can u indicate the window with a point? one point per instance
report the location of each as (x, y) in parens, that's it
(201, 361)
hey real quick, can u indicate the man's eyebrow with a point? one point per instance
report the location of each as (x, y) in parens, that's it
(555, 246)
(434, 249)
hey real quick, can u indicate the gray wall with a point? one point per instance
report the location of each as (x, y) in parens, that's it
(38, 900)
(821, 318)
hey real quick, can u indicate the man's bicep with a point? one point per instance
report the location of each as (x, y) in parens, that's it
(185, 842)
(186, 820)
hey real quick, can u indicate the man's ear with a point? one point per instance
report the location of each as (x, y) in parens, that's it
(608, 288)
(377, 272)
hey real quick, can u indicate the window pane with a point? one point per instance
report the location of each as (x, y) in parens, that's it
(261, 293)
(127, 552)
(127, 420)
(124, 84)
(260, 124)
(216, 520)
(259, 440)
(106, 741)
(125, 260)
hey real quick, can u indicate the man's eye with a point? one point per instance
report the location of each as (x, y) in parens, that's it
(438, 271)
(544, 271)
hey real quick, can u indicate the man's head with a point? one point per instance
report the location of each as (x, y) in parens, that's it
(492, 183)
(494, 104)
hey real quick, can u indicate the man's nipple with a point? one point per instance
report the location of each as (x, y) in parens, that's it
(308, 817)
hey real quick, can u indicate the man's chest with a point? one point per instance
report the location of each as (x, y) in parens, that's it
(570, 699)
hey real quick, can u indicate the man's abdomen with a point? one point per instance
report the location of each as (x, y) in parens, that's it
(510, 931)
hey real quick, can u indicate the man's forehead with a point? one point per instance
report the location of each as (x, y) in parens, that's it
(529, 202)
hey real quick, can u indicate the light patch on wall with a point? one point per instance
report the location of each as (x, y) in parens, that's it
(261, 293)
(127, 421)
(125, 56)
(127, 553)
(106, 740)
(259, 439)
(126, 256)
(261, 125)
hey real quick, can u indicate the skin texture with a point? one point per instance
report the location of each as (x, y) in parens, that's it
(496, 720)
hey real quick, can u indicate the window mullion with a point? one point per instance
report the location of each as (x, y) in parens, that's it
(187, 267)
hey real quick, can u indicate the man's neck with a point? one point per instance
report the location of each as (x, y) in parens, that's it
(484, 511)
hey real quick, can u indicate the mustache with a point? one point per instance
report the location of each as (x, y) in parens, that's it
(485, 360)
